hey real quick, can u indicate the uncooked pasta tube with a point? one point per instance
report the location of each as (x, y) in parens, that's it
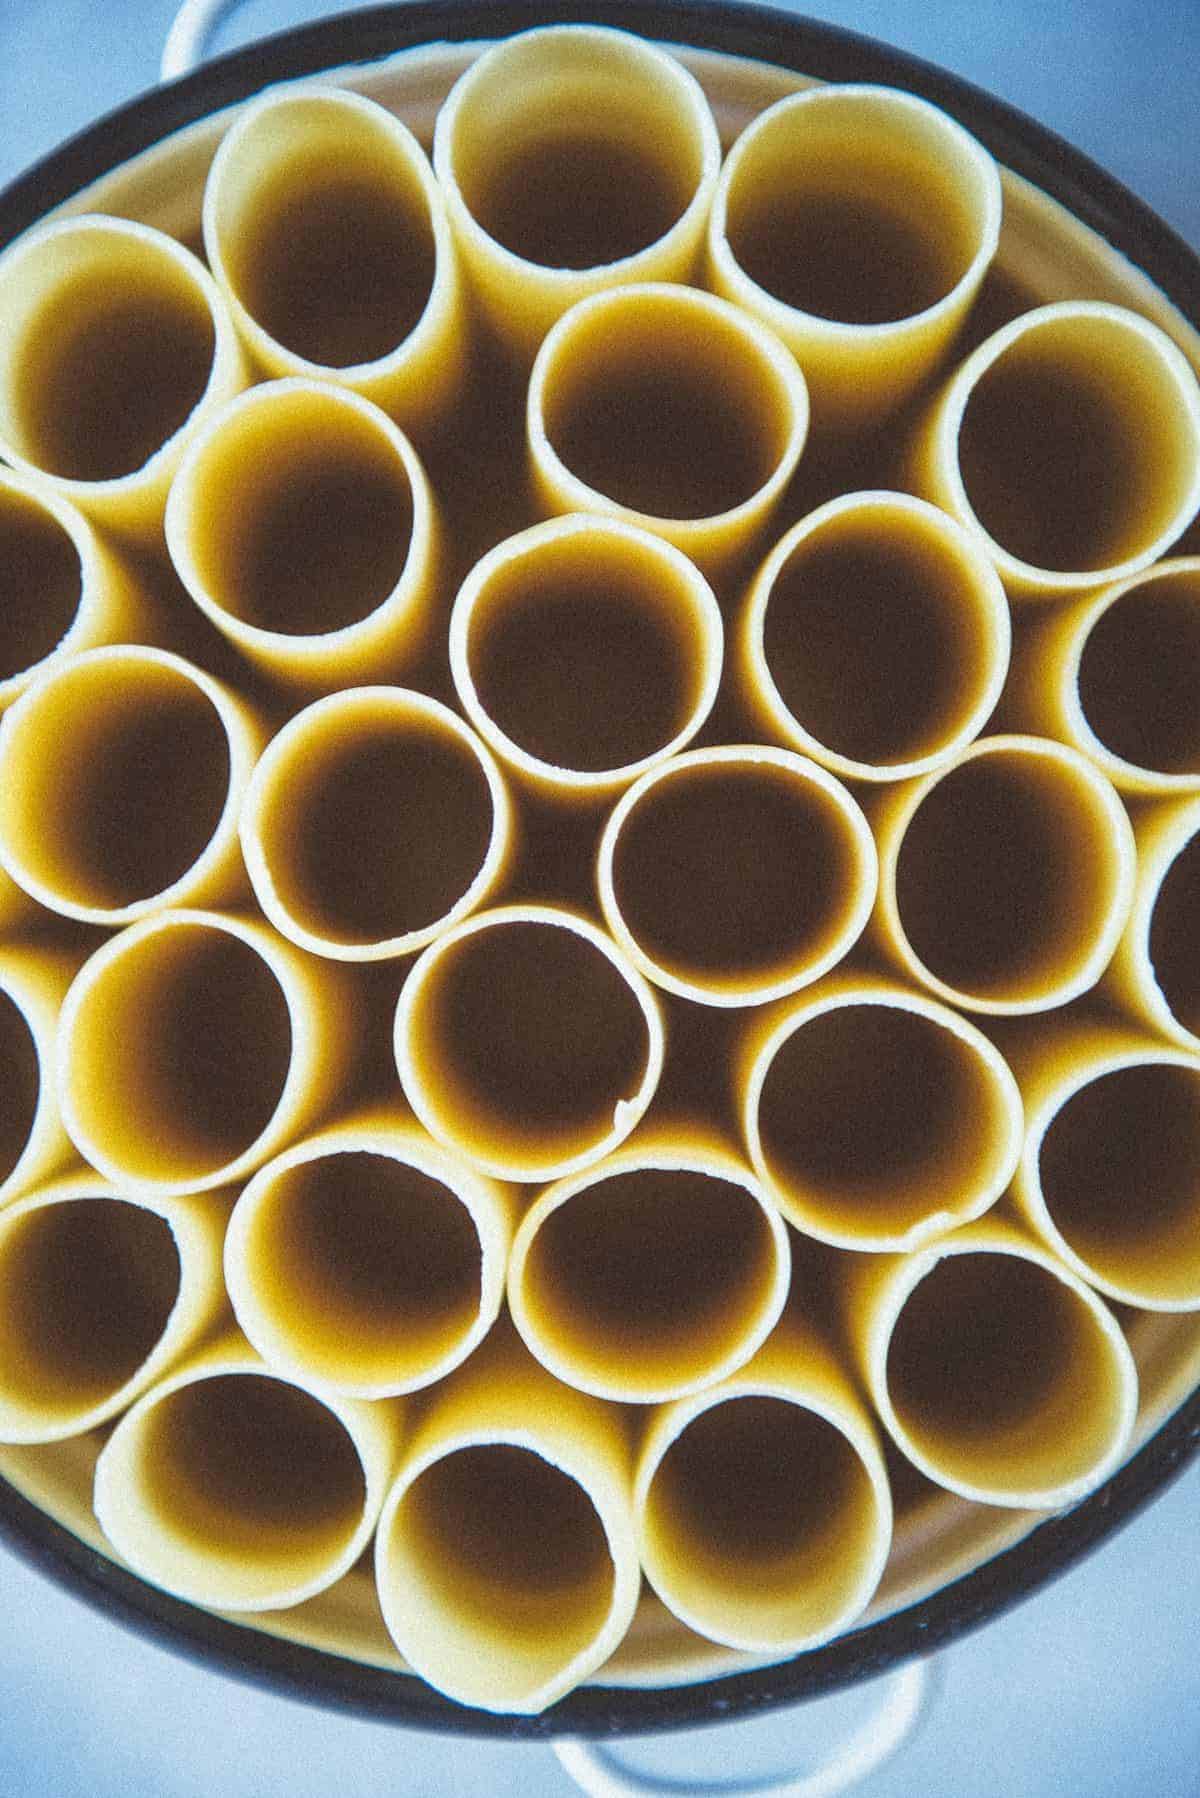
(367, 1260)
(1005, 879)
(736, 875)
(327, 231)
(64, 589)
(101, 1290)
(232, 1486)
(857, 222)
(302, 524)
(875, 637)
(1155, 973)
(1071, 440)
(875, 1117)
(122, 773)
(995, 1369)
(33, 1143)
(585, 650)
(1118, 676)
(763, 1506)
(115, 344)
(1110, 1173)
(670, 409)
(194, 1045)
(375, 820)
(527, 1041)
(573, 158)
(652, 1275)
(505, 1556)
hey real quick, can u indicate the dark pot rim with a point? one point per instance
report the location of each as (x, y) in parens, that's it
(1097, 199)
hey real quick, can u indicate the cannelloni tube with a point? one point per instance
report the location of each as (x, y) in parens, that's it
(875, 1117)
(326, 230)
(763, 1507)
(33, 1143)
(232, 1486)
(1006, 877)
(858, 222)
(573, 159)
(303, 526)
(995, 1369)
(875, 637)
(64, 589)
(194, 1045)
(115, 345)
(102, 1289)
(1155, 973)
(652, 1275)
(585, 650)
(375, 820)
(122, 773)
(1110, 1173)
(368, 1260)
(505, 1555)
(670, 409)
(1118, 676)
(1071, 440)
(736, 875)
(528, 1042)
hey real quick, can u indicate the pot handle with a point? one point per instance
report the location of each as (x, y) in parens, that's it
(190, 34)
(904, 1700)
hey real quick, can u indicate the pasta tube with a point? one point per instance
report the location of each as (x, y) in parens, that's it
(652, 1275)
(1006, 877)
(526, 1041)
(375, 820)
(33, 1143)
(736, 875)
(585, 650)
(505, 1557)
(367, 1260)
(858, 222)
(671, 410)
(1155, 973)
(573, 159)
(303, 526)
(115, 346)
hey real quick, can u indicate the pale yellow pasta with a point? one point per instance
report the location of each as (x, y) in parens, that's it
(193, 1045)
(876, 1118)
(585, 650)
(102, 1289)
(303, 526)
(115, 346)
(327, 232)
(505, 1557)
(573, 158)
(1070, 441)
(234, 1487)
(654, 1274)
(858, 222)
(669, 409)
(375, 820)
(1155, 973)
(122, 775)
(1005, 876)
(734, 875)
(368, 1260)
(995, 1369)
(33, 1142)
(763, 1506)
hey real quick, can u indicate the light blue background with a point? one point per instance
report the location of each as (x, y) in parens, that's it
(1089, 1690)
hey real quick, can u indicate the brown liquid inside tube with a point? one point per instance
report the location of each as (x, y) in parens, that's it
(1139, 675)
(106, 381)
(20, 1083)
(1175, 933)
(40, 583)
(573, 199)
(86, 1290)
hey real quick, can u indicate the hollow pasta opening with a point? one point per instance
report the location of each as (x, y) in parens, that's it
(1174, 934)
(21, 1075)
(1139, 674)
(41, 583)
